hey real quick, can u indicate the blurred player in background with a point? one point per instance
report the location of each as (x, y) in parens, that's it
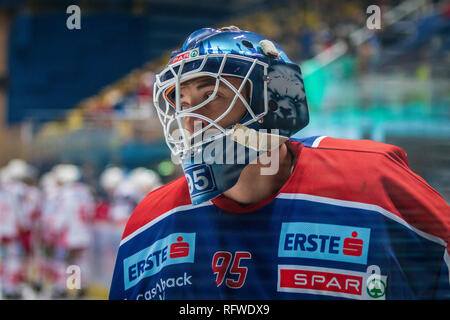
(145, 181)
(125, 191)
(313, 218)
(9, 234)
(21, 201)
(68, 211)
(109, 179)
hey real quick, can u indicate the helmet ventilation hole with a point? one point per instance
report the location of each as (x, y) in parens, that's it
(248, 44)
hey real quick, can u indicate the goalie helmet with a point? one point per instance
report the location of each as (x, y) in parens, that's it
(271, 90)
(277, 97)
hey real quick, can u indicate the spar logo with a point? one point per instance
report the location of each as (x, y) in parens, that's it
(332, 282)
(176, 248)
(324, 242)
(184, 55)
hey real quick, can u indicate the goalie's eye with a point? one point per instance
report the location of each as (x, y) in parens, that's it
(209, 94)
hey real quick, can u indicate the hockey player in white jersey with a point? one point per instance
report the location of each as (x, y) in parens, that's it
(118, 194)
(130, 191)
(21, 201)
(68, 211)
(9, 255)
(145, 181)
(126, 191)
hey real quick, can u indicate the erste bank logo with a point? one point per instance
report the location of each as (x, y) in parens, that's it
(324, 242)
(174, 249)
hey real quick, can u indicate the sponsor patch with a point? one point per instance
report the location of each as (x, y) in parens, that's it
(174, 249)
(324, 242)
(184, 55)
(332, 282)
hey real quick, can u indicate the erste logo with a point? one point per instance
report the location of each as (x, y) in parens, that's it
(179, 249)
(324, 242)
(176, 248)
(353, 246)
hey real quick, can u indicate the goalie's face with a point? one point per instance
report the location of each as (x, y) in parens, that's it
(198, 90)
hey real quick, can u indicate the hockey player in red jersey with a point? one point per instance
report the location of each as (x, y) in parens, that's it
(261, 215)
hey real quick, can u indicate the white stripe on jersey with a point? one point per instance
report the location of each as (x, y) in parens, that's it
(364, 206)
(316, 142)
(163, 216)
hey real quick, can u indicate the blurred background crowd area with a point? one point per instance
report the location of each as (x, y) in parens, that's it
(81, 100)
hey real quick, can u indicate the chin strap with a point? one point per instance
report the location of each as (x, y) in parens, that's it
(256, 140)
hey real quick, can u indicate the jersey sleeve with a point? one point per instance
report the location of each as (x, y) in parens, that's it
(422, 207)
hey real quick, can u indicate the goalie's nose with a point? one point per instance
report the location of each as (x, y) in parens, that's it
(193, 124)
